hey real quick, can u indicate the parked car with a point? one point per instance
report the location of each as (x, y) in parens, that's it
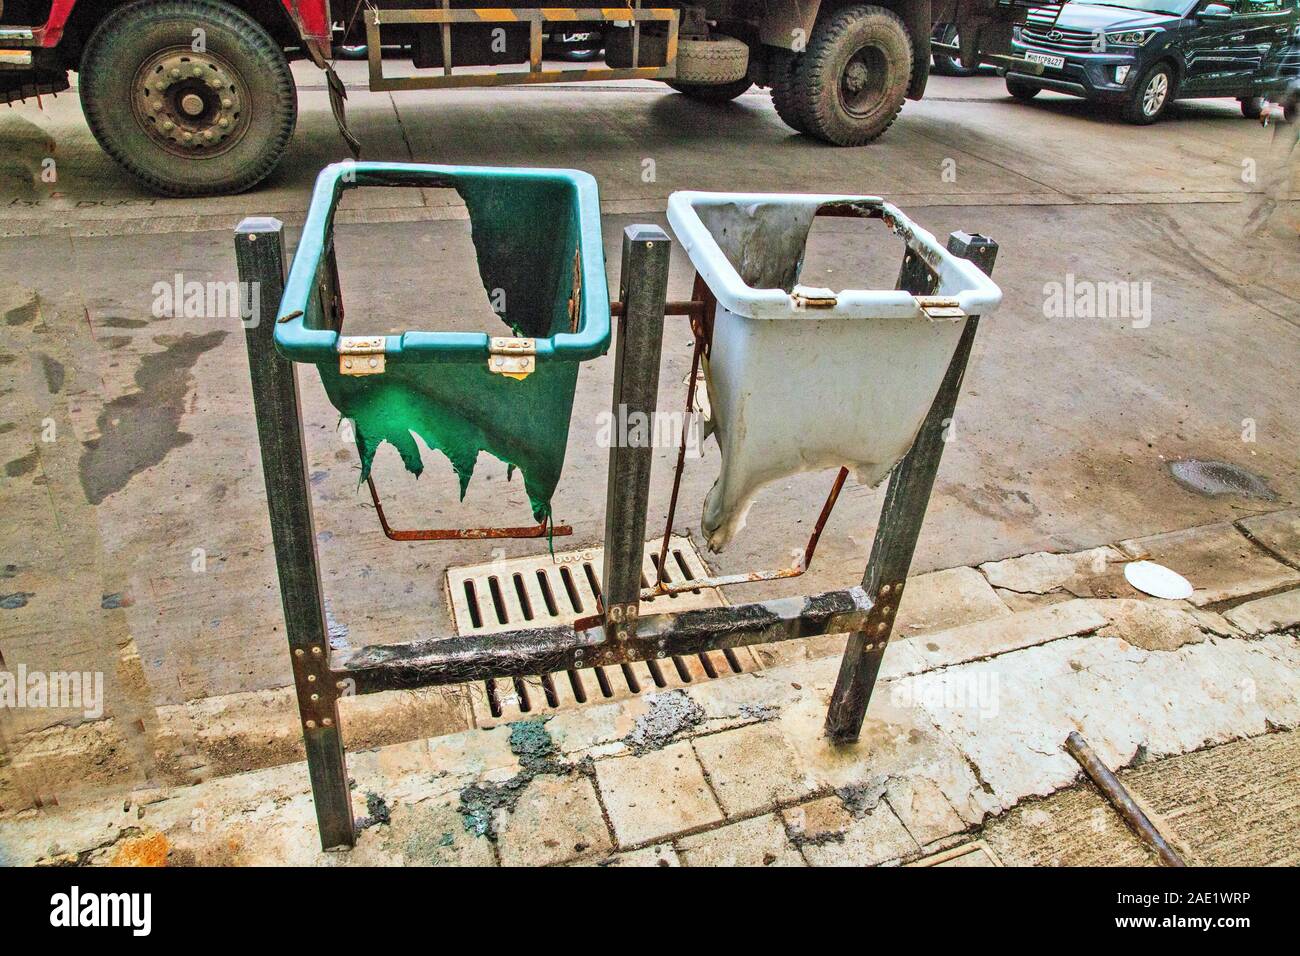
(579, 47)
(1144, 54)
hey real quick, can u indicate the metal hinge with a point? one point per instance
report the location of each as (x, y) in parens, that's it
(513, 358)
(939, 307)
(361, 355)
(803, 301)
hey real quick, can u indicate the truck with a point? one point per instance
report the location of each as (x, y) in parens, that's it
(196, 97)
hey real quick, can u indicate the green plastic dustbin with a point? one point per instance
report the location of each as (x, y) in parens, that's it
(536, 233)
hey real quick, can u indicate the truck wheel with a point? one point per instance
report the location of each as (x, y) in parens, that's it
(1021, 90)
(784, 67)
(1152, 94)
(853, 77)
(188, 122)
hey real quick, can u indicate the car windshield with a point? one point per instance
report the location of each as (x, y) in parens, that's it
(1171, 7)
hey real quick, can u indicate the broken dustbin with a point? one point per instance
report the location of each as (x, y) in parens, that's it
(804, 379)
(509, 392)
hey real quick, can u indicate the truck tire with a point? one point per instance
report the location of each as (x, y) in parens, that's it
(852, 79)
(716, 61)
(188, 122)
(784, 67)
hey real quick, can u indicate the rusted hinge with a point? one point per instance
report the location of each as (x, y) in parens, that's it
(940, 307)
(803, 301)
(361, 355)
(513, 358)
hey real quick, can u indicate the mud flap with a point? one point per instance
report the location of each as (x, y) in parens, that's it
(339, 93)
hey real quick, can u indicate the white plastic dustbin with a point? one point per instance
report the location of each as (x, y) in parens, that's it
(804, 379)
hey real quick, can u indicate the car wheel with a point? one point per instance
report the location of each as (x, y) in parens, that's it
(1252, 106)
(185, 122)
(852, 78)
(1022, 90)
(1152, 95)
(946, 65)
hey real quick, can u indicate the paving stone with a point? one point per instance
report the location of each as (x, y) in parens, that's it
(898, 742)
(923, 809)
(1221, 563)
(655, 795)
(1003, 634)
(1267, 614)
(829, 835)
(943, 599)
(556, 819)
(1279, 532)
(1120, 697)
(1091, 573)
(753, 768)
(761, 841)
(661, 854)
(1153, 625)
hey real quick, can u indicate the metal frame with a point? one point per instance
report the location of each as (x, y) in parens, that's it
(620, 633)
(376, 18)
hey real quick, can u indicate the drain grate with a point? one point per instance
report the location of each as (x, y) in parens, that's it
(543, 591)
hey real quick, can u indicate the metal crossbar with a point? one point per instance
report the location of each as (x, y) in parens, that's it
(535, 18)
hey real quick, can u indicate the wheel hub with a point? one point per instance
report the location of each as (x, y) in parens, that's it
(190, 103)
(855, 77)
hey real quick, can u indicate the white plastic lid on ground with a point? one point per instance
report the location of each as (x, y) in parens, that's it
(1157, 580)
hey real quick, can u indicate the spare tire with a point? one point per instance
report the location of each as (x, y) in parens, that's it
(715, 61)
(718, 60)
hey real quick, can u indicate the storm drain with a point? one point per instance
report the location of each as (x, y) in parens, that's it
(545, 591)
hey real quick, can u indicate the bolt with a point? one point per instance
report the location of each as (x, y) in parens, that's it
(227, 103)
(223, 122)
(187, 136)
(207, 134)
(156, 105)
(297, 652)
(311, 678)
(328, 721)
(316, 649)
(311, 725)
(198, 71)
(347, 363)
(168, 125)
(175, 74)
(374, 363)
(315, 697)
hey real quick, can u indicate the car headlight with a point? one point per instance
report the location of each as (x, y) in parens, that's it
(1130, 37)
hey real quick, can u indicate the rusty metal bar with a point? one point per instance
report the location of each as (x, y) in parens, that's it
(259, 253)
(462, 534)
(690, 308)
(1121, 799)
(523, 653)
(906, 500)
(643, 282)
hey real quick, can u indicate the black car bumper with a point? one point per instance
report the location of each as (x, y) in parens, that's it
(1090, 75)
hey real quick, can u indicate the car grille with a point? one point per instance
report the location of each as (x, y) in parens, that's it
(1043, 15)
(1058, 39)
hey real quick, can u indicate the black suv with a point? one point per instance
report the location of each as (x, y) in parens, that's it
(1142, 54)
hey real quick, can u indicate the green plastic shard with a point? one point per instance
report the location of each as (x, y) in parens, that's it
(462, 410)
(536, 235)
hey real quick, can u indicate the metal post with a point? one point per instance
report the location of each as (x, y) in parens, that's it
(259, 253)
(643, 284)
(906, 500)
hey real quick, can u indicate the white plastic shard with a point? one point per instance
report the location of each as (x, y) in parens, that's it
(805, 379)
(1157, 580)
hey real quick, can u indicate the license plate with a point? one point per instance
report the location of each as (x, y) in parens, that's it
(1055, 62)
